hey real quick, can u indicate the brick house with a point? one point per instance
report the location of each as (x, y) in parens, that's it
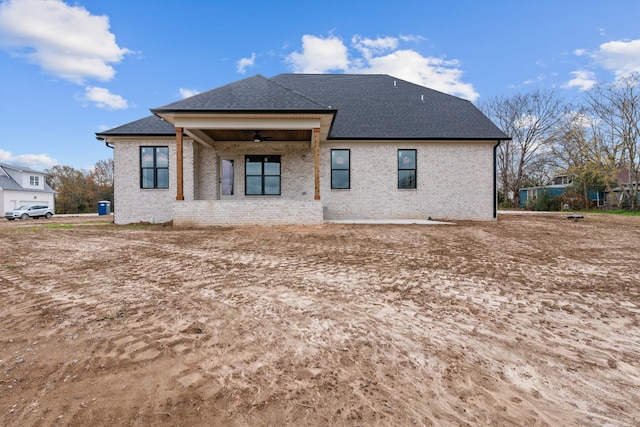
(305, 148)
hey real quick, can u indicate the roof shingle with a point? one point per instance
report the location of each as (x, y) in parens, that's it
(369, 106)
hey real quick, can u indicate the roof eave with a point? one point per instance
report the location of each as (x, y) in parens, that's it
(159, 111)
(429, 138)
(101, 136)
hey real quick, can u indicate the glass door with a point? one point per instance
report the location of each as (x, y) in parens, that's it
(227, 185)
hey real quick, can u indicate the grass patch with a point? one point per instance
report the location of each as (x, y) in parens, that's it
(49, 226)
(613, 212)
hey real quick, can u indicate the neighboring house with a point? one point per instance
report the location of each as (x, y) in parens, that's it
(23, 186)
(627, 182)
(558, 186)
(305, 148)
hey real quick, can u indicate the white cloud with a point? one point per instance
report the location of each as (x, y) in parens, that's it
(621, 57)
(411, 38)
(102, 98)
(539, 78)
(65, 41)
(245, 63)
(186, 93)
(370, 47)
(381, 56)
(435, 73)
(319, 55)
(583, 80)
(33, 161)
(526, 121)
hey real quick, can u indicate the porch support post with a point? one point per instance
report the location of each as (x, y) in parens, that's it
(316, 161)
(179, 166)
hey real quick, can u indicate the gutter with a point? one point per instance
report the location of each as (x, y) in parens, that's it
(105, 140)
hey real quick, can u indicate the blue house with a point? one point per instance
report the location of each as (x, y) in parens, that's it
(558, 187)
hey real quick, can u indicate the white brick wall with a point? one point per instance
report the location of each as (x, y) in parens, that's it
(131, 203)
(454, 181)
(272, 211)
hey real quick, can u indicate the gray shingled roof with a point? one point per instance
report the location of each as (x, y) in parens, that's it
(383, 107)
(255, 93)
(367, 106)
(7, 183)
(19, 168)
(148, 126)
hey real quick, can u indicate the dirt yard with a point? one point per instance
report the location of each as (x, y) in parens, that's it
(528, 321)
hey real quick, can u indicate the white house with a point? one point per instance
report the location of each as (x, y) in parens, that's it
(305, 148)
(23, 186)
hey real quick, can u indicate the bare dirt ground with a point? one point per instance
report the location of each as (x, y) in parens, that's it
(528, 321)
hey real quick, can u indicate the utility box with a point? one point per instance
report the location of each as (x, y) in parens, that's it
(104, 207)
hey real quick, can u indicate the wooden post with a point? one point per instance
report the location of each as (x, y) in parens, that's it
(316, 161)
(179, 168)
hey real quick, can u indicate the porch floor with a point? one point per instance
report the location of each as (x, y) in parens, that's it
(388, 221)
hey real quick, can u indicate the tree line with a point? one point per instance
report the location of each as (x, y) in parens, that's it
(595, 141)
(79, 191)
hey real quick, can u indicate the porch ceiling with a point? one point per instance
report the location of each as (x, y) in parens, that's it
(303, 135)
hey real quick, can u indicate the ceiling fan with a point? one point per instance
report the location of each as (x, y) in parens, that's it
(257, 137)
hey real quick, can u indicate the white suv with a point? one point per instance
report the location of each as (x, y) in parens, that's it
(26, 212)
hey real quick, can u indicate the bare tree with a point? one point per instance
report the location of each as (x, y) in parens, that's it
(577, 150)
(617, 107)
(531, 120)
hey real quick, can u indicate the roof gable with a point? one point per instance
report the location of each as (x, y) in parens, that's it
(20, 169)
(10, 180)
(255, 93)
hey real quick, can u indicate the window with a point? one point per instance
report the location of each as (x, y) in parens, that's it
(406, 169)
(262, 175)
(340, 169)
(154, 167)
(34, 181)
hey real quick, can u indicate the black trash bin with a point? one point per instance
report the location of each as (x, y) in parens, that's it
(104, 207)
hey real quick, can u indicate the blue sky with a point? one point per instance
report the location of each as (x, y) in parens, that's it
(73, 68)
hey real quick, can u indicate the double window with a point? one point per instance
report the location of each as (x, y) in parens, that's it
(262, 175)
(34, 181)
(340, 169)
(154, 167)
(407, 169)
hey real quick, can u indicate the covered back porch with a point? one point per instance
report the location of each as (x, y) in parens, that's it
(216, 158)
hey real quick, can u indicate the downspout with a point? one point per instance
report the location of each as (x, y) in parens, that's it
(495, 180)
(105, 140)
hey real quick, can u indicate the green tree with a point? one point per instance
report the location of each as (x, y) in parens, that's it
(71, 188)
(100, 183)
